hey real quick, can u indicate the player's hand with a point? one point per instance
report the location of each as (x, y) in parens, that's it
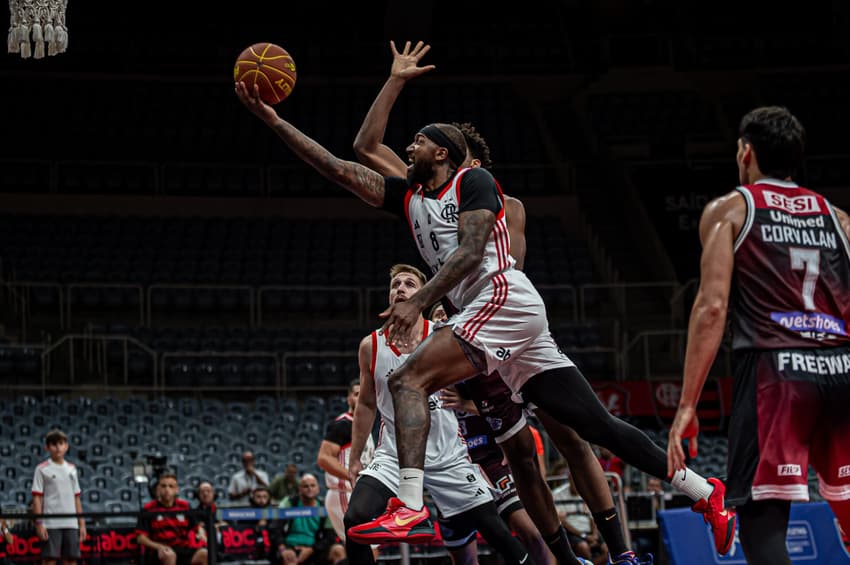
(401, 320)
(685, 426)
(83, 532)
(41, 532)
(454, 401)
(405, 63)
(251, 99)
(355, 466)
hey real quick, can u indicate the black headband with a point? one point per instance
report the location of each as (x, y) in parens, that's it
(435, 134)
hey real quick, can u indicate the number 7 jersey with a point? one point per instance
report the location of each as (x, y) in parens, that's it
(791, 285)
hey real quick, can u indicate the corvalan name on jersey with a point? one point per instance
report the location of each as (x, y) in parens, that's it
(789, 470)
(804, 204)
(844, 472)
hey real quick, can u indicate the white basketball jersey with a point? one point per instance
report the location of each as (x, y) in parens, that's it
(344, 456)
(433, 222)
(445, 444)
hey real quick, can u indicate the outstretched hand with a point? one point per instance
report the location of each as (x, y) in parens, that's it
(685, 426)
(405, 63)
(401, 320)
(251, 99)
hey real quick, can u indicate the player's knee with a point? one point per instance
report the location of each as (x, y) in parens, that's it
(569, 443)
(354, 517)
(520, 449)
(406, 378)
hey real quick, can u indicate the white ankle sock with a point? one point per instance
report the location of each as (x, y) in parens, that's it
(410, 487)
(691, 483)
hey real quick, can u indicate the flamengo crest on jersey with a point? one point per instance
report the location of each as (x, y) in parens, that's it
(792, 270)
(444, 442)
(434, 223)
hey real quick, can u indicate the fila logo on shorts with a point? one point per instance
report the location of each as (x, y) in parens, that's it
(789, 470)
(844, 472)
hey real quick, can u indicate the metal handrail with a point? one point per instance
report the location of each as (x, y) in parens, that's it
(70, 338)
(24, 296)
(40, 346)
(615, 482)
(187, 286)
(622, 302)
(250, 354)
(260, 291)
(644, 337)
(71, 286)
(312, 355)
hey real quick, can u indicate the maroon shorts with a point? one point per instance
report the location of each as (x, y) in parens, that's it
(494, 401)
(790, 408)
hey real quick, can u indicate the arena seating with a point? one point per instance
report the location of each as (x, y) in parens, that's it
(203, 440)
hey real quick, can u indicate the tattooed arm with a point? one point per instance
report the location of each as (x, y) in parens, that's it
(473, 229)
(363, 182)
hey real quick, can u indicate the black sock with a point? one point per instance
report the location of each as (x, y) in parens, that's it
(609, 526)
(559, 545)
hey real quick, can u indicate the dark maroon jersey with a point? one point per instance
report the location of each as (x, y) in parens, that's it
(791, 285)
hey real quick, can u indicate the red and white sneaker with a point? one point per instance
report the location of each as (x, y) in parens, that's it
(721, 520)
(398, 524)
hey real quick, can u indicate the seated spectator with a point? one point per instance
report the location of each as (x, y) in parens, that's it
(285, 484)
(163, 533)
(260, 498)
(246, 480)
(206, 499)
(310, 539)
(581, 529)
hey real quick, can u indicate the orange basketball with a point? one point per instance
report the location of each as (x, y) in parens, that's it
(270, 67)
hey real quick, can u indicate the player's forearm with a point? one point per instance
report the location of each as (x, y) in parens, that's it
(373, 129)
(332, 465)
(457, 267)
(705, 332)
(361, 181)
(361, 427)
(37, 505)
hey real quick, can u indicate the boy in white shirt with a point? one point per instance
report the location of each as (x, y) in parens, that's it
(56, 490)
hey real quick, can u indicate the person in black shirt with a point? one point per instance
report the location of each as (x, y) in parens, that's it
(164, 527)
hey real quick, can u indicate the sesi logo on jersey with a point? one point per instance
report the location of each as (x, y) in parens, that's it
(805, 204)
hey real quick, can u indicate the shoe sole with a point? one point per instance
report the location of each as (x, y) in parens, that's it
(730, 537)
(388, 538)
